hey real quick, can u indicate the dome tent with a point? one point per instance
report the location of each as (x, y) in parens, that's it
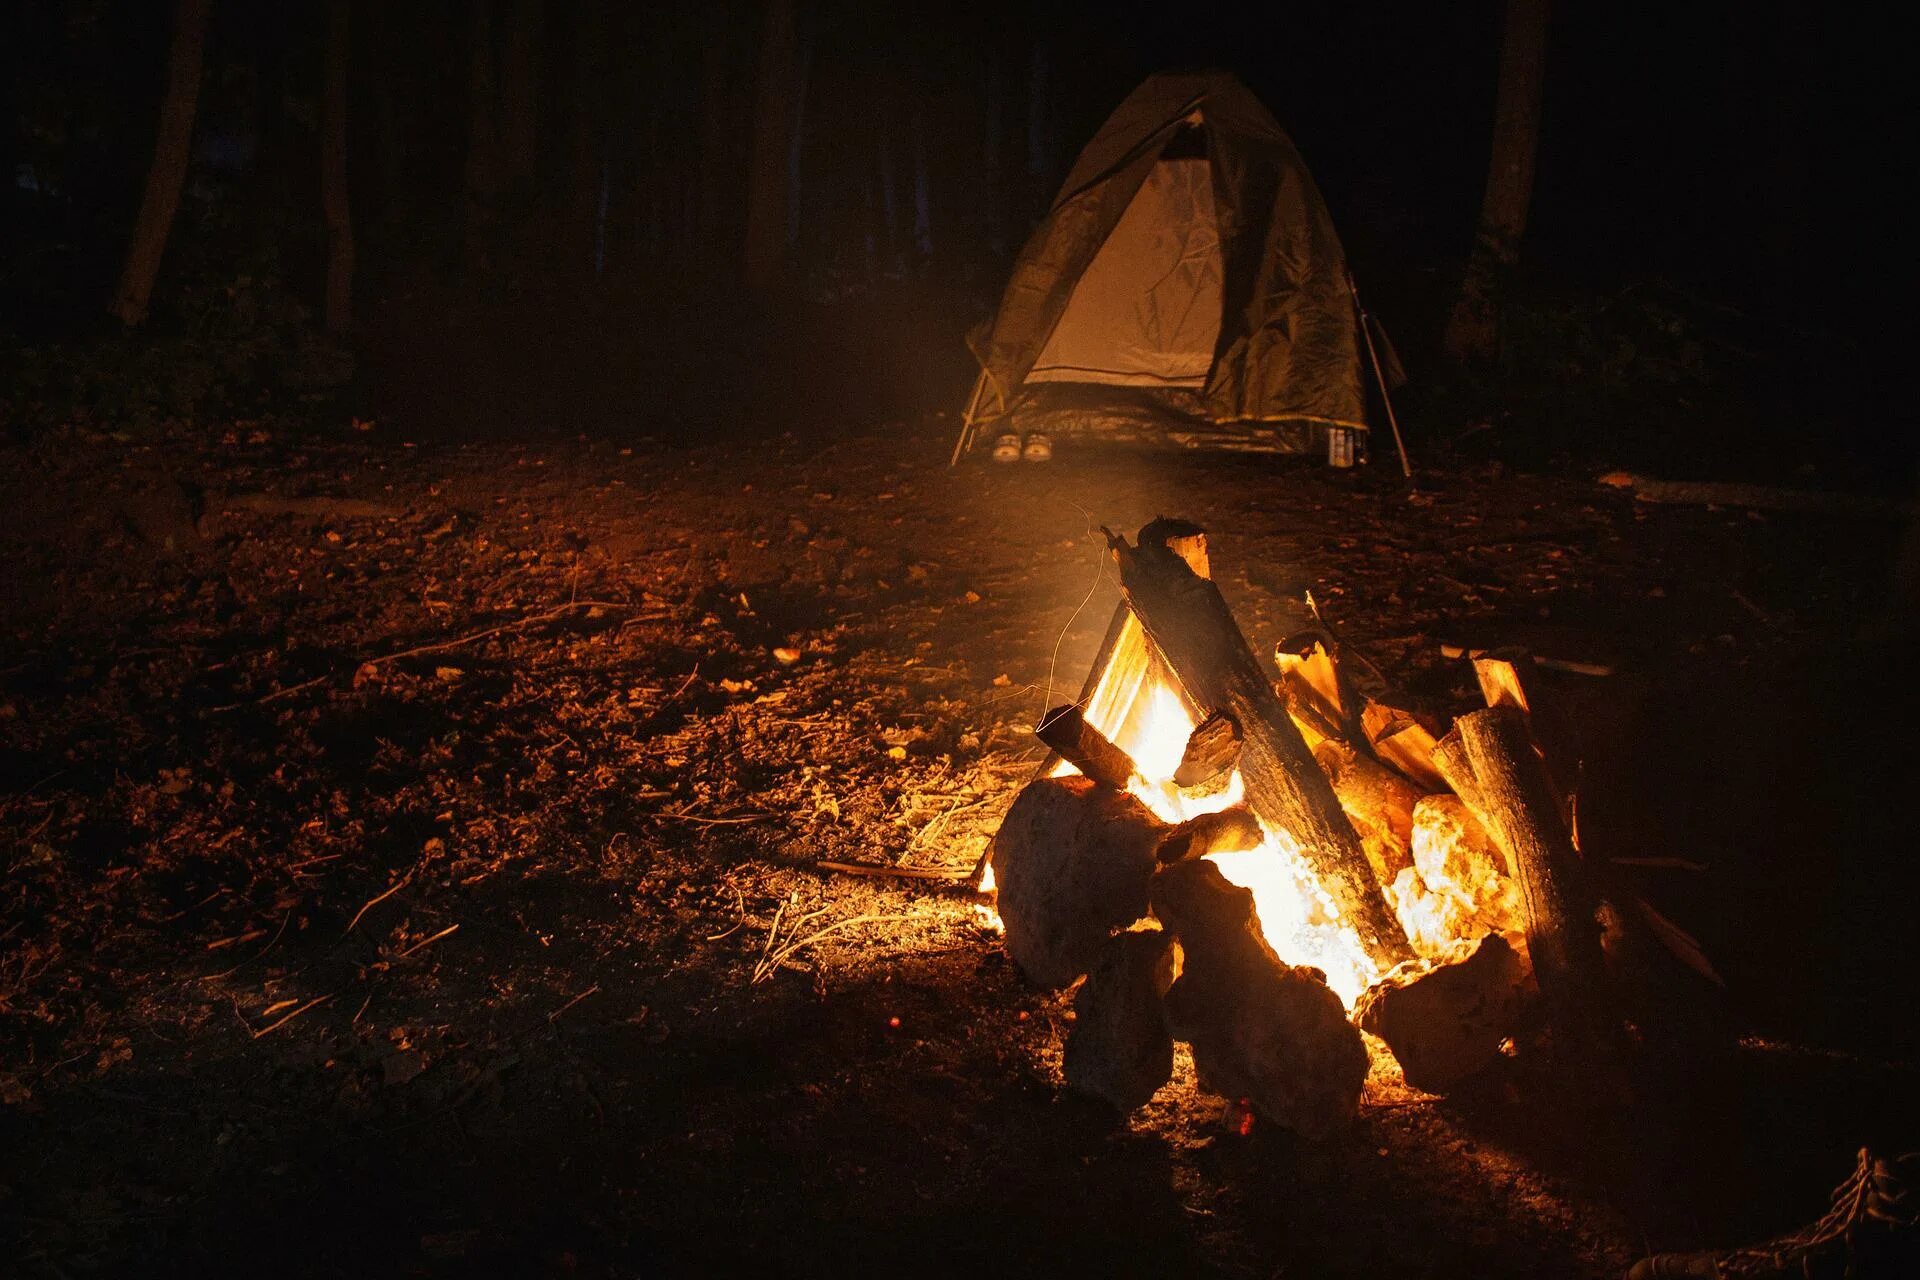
(1187, 286)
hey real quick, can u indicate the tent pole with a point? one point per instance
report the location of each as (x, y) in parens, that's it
(1406, 468)
(966, 419)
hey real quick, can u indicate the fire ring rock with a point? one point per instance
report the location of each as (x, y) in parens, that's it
(1071, 865)
(1120, 1048)
(1445, 1020)
(1260, 1029)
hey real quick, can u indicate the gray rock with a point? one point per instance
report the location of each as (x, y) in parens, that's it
(1261, 1030)
(1071, 864)
(1120, 1048)
(1444, 1019)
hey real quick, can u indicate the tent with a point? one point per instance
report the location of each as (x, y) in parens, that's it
(1186, 287)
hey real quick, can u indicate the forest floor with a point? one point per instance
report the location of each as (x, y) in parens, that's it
(410, 860)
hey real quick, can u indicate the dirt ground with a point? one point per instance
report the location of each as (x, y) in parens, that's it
(411, 861)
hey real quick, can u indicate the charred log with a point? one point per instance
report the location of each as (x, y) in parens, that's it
(1223, 831)
(1212, 749)
(1193, 630)
(1066, 730)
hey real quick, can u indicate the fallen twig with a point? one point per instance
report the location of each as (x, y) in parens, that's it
(440, 646)
(576, 1000)
(881, 869)
(426, 941)
(276, 1025)
(773, 958)
(396, 887)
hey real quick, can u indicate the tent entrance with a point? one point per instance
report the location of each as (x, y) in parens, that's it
(1147, 310)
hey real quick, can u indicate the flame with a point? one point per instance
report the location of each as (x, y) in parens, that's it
(1144, 714)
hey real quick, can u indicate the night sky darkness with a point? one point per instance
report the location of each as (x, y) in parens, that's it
(1723, 146)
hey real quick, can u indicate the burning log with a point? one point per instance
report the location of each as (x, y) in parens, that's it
(1378, 801)
(1517, 802)
(1222, 831)
(1192, 629)
(1260, 1029)
(1213, 748)
(1071, 862)
(1445, 1019)
(1120, 1048)
(1307, 663)
(1403, 742)
(1066, 730)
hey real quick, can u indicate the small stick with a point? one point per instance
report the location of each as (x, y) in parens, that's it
(426, 941)
(275, 1026)
(398, 885)
(576, 1000)
(880, 869)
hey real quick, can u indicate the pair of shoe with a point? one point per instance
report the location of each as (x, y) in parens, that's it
(1872, 1231)
(1011, 448)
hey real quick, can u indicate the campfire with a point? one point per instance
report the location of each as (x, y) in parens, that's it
(1264, 863)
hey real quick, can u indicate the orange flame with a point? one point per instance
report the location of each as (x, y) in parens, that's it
(1144, 714)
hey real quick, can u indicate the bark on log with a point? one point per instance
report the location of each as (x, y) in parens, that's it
(1066, 730)
(1193, 630)
(1517, 805)
(1212, 749)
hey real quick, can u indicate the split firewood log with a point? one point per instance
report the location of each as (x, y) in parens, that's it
(1402, 741)
(1067, 732)
(1260, 1029)
(1071, 863)
(1223, 831)
(1120, 1048)
(1307, 661)
(1194, 632)
(1515, 800)
(1378, 801)
(1213, 748)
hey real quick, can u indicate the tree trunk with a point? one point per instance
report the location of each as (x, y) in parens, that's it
(333, 170)
(483, 140)
(589, 37)
(171, 149)
(766, 239)
(796, 142)
(719, 197)
(1473, 328)
(922, 189)
(520, 60)
(1039, 132)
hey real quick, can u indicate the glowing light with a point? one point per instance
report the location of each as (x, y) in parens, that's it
(1145, 716)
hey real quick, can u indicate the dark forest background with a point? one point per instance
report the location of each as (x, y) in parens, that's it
(551, 207)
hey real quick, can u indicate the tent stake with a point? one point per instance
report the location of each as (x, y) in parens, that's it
(1366, 331)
